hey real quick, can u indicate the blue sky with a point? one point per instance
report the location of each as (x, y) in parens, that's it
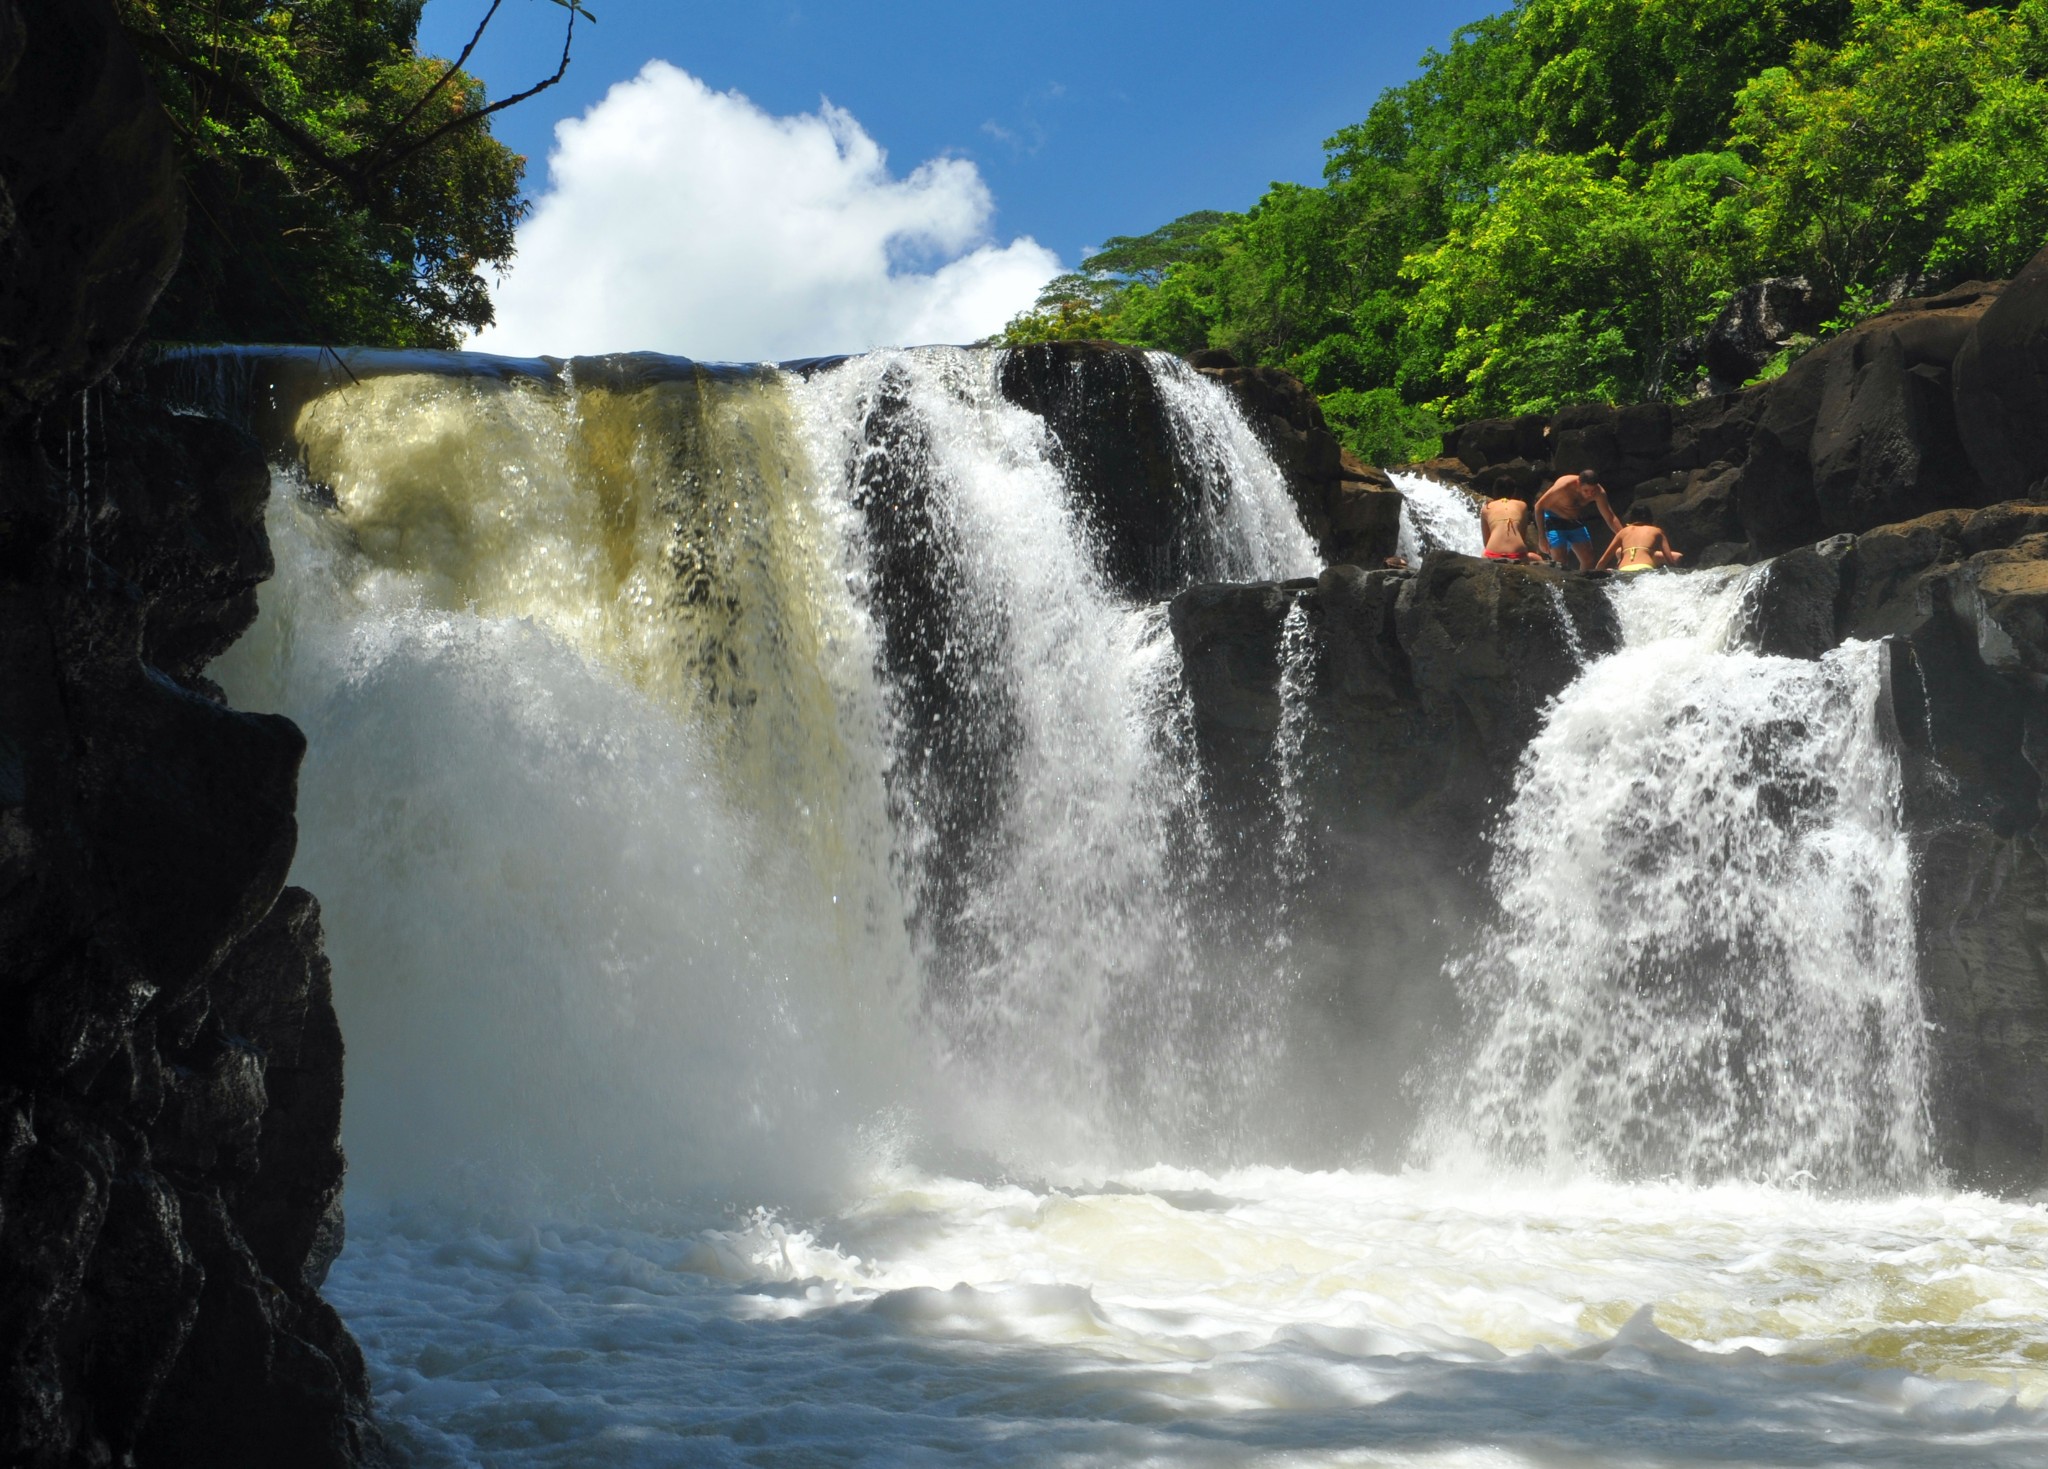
(1079, 121)
(1086, 120)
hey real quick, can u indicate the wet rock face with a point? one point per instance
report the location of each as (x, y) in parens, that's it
(1425, 687)
(1938, 403)
(1138, 494)
(170, 1067)
(1421, 691)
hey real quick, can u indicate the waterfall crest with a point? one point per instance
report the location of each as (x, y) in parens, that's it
(789, 713)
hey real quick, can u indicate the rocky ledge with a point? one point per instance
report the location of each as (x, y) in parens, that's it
(170, 1065)
(1427, 685)
(1935, 404)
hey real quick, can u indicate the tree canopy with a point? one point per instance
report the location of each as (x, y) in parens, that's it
(342, 187)
(1560, 200)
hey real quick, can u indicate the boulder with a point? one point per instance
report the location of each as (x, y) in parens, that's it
(2001, 388)
(1755, 325)
(1696, 508)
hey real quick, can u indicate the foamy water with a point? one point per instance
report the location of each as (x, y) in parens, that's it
(669, 1149)
(1436, 517)
(1262, 1316)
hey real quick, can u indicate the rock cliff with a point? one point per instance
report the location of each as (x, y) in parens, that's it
(1427, 686)
(1936, 404)
(170, 1067)
(1118, 451)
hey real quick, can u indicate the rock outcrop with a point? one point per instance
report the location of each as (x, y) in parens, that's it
(1425, 687)
(1428, 685)
(1938, 403)
(1136, 484)
(170, 1067)
(1758, 322)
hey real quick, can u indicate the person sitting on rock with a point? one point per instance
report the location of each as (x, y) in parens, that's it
(1567, 509)
(1510, 530)
(1640, 545)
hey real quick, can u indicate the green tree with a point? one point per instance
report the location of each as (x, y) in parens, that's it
(1921, 141)
(1655, 79)
(343, 188)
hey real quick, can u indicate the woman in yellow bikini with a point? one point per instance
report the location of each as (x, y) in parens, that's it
(1639, 545)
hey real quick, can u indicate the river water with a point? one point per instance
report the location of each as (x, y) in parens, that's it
(763, 862)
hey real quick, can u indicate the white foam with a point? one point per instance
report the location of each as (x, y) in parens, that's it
(1263, 1315)
(1436, 517)
(1705, 965)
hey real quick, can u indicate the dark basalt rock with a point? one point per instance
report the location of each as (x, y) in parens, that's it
(1115, 446)
(1758, 321)
(2001, 388)
(1425, 686)
(1935, 403)
(170, 1066)
(1136, 487)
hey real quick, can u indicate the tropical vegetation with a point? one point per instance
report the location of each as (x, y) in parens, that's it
(1554, 208)
(341, 187)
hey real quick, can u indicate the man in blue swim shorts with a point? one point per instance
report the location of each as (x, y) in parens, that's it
(1566, 511)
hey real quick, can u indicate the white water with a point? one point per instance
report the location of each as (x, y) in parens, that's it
(1436, 517)
(1707, 965)
(666, 1153)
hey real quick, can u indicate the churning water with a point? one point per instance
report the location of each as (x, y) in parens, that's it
(1436, 517)
(762, 854)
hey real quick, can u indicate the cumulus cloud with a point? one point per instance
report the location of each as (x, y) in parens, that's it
(679, 219)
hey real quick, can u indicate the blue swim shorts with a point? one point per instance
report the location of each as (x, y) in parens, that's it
(1562, 533)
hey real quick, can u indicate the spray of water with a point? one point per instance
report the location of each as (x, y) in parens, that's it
(1704, 960)
(604, 859)
(1436, 517)
(703, 769)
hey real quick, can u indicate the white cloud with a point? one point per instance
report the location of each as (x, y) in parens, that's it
(679, 219)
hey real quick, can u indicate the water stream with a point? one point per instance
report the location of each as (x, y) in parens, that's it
(769, 885)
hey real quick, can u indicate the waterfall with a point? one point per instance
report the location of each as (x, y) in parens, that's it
(1703, 964)
(1249, 525)
(1436, 517)
(1298, 653)
(706, 764)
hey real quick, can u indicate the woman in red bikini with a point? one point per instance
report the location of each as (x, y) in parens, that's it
(1510, 530)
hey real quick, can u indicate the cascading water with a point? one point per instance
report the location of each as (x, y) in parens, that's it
(1436, 517)
(1705, 962)
(767, 877)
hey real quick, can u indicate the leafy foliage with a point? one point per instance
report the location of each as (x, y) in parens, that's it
(1559, 201)
(342, 187)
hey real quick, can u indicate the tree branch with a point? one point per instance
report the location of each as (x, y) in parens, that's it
(453, 67)
(302, 142)
(358, 171)
(427, 140)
